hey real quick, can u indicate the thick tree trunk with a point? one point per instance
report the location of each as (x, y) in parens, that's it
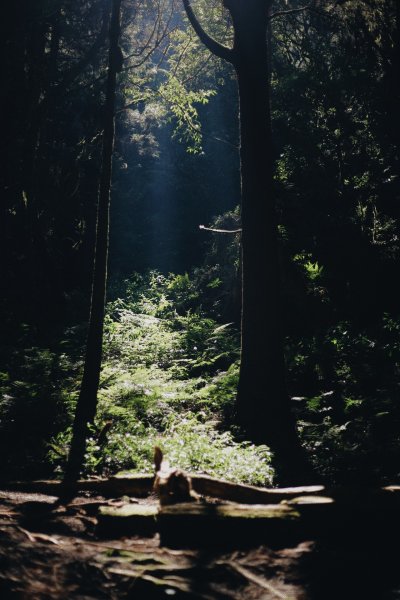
(262, 365)
(87, 402)
(262, 402)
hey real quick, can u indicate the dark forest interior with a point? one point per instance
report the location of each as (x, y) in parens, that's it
(200, 251)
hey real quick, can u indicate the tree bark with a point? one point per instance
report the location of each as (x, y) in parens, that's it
(262, 365)
(87, 402)
(397, 70)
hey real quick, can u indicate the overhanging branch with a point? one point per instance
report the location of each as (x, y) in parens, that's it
(215, 47)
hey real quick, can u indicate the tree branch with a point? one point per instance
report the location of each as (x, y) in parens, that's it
(215, 47)
(220, 230)
(91, 54)
(291, 11)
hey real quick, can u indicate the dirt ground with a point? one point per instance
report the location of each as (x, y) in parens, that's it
(55, 552)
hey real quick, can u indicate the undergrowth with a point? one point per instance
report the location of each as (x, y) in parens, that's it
(169, 378)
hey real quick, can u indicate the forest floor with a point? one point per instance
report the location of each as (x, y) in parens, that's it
(50, 551)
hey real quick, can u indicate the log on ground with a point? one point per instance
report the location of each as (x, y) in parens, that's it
(130, 519)
(199, 525)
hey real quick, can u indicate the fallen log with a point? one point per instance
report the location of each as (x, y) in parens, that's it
(130, 519)
(138, 485)
(201, 524)
(226, 525)
(142, 485)
(248, 494)
(229, 524)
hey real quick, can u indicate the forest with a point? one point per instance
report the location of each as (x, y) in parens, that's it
(200, 252)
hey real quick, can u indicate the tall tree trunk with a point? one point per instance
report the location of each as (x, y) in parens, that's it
(262, 365)
(396, 64)
(35, 245)
(262, 400)
(87, 402)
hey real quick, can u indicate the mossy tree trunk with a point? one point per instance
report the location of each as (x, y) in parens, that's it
(87, 401)
(262, 400)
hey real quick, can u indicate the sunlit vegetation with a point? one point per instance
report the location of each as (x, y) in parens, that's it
(169, 378)
(172, 329)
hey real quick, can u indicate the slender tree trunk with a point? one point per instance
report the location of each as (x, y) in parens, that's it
(397, 71)
(394, 103)
(397, 47)
(87, 402)
(35, 247)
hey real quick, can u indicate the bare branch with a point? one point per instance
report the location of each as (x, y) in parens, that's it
(215, 47)
(260, 581)
(220, 230)
(291, 11)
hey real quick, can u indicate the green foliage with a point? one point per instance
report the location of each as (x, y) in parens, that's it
(198, 446)
(181, 102)
(172, 88)
(312, 270)
(352, 430)
(170, 375)
(37, 393)
(171, 341)
(189, 442)
(167, 379)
